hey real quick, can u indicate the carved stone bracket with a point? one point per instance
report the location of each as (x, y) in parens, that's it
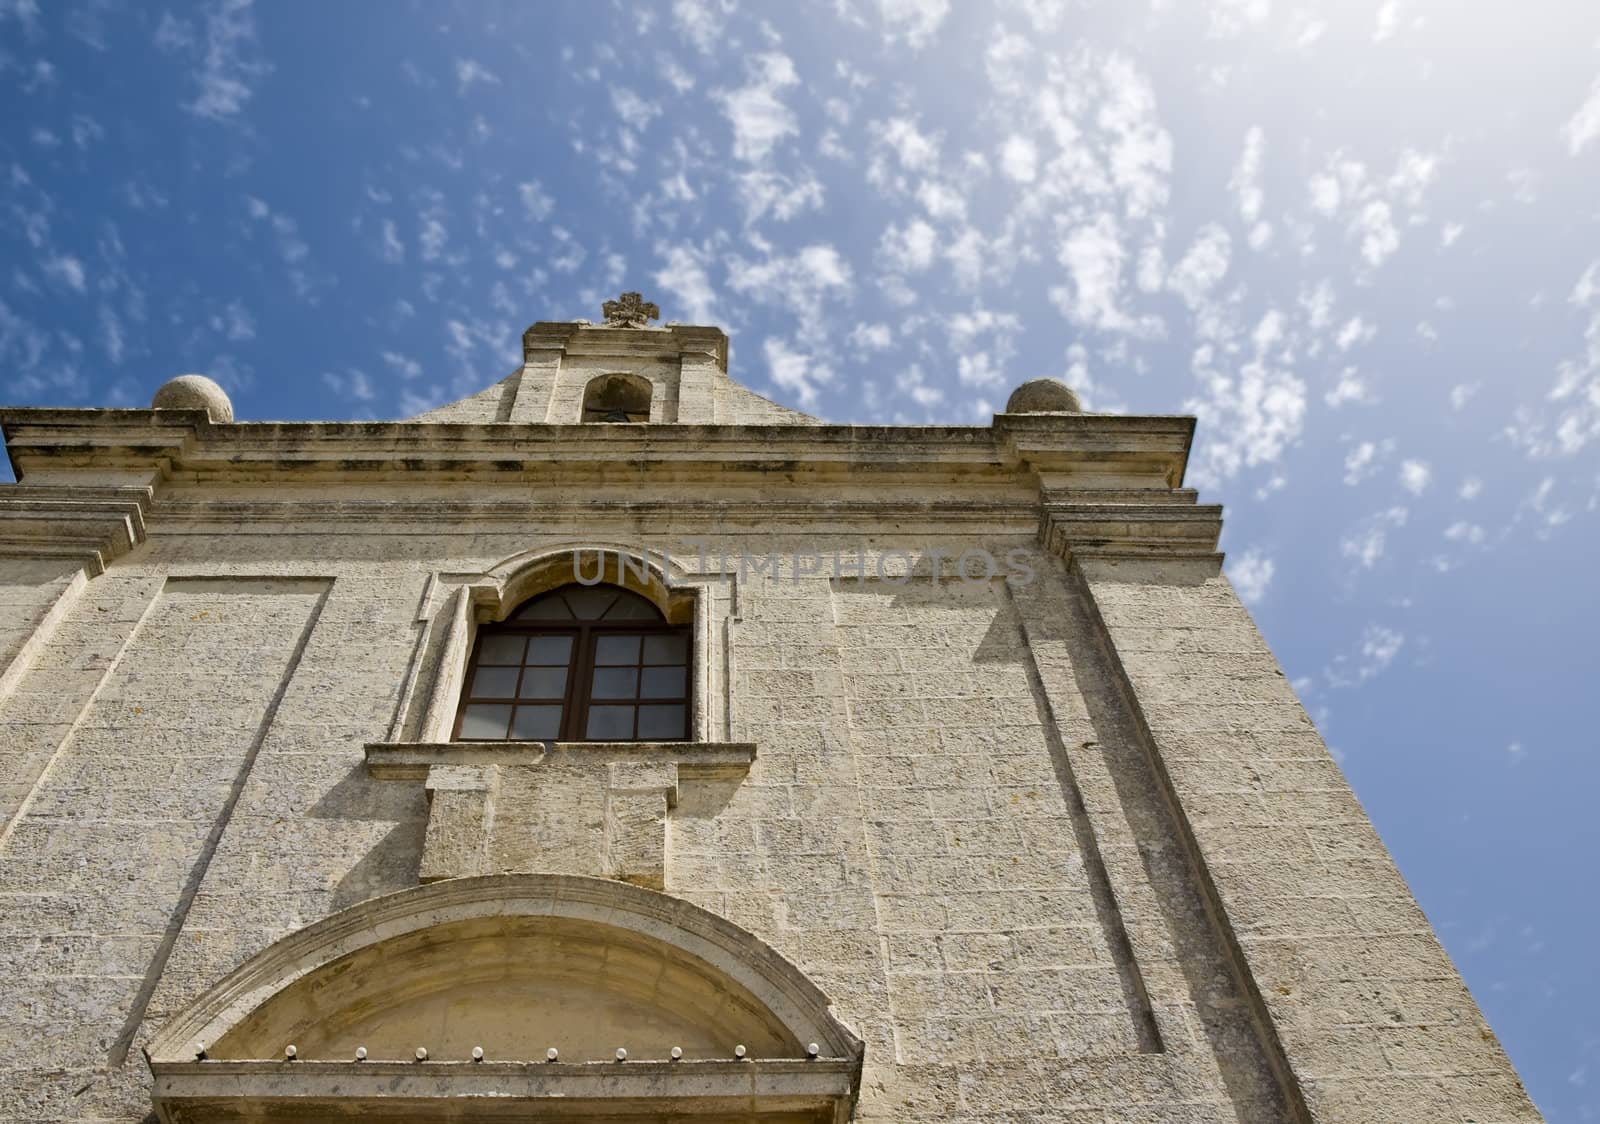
(593, 808)
(1172, 528)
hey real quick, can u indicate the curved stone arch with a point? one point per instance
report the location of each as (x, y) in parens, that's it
(627, 391)
(515, 579)
(727, 951)
(353, 949)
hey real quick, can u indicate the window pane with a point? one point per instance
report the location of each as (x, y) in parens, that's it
(543, 683)
(485, 723)
(615, 683)
(610, 723)
(670, 647)
(549, 651)
(661, 722)
(536, 724)
(631, 607)
(494, 683)
(616, 649)
(664, 682)
(590, 604)
(500, 649)
(550, 608)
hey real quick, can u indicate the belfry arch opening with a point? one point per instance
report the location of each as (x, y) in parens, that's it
(617, 398)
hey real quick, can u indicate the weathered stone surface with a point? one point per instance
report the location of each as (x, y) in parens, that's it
(1021, 790)
(194, 392)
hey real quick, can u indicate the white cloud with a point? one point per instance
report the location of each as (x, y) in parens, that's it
(795, 371)
(1251, 574)
(66, 270)
(1251, 416)
(1574, 417)
(1246, 186)
(916, 21)
(1461, 394)
(535, 200)
(1379, 238)
(765, 192)
(226, 67)
(1230, 18)
(111, 336)
(759, 118)
(471, 72)
(684, 276)
(234, 322)
(352, 383)
(1463, 531)
(1093, 256)
(1019, 158)
(1388, 17)
(912, 383)
(1351, 387)
(941, 201)
(1367, 544)
(433, 236)
(871, 337)
(979, 368)
(392, 249)
(1355, 331)
(1362, 461)
(402, 365)
(1584, 125)
(801, 284)
(635, 111)
(908, 249)
(701, 21)
(1415, 476)
(1325, 194)
(1203, 266)
(1471, 488)
(1379, 647)
(915, 150)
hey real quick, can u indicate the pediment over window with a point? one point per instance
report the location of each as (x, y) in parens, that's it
(514, 965)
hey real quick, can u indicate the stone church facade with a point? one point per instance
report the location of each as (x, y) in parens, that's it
(615, 744)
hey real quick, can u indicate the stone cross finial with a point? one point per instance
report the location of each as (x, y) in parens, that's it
(630, 311)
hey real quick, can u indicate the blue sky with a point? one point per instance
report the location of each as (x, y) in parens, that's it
(1361, 241)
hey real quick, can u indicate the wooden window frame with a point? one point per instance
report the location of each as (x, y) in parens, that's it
(578, 698)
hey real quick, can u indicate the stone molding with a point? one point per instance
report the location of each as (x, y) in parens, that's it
(207, 1092)
(1097, 450)
(454, 604)
(182, 1079)
(91, 526)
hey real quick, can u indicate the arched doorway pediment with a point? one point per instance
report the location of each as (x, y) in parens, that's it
(515, 964)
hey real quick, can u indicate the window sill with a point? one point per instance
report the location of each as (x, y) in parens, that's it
(412, 760)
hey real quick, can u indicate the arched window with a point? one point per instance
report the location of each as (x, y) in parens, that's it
(617, 398)
(580, 663)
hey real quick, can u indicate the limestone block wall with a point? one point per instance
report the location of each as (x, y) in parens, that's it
(1039, 839)
(1373, 1017)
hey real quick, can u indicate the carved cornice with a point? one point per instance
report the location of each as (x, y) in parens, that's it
(1105, 450)
(91, 525)
(1132, 530)
(1109, 485)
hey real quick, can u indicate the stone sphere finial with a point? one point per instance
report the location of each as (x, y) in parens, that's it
(1043, 396)
(194, 392)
